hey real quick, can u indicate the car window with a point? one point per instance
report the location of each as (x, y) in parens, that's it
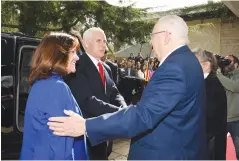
(26, 53)
(26, 56)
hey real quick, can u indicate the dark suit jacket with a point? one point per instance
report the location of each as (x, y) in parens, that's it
(169, 120)
(132, 72)
(216, 117)
(93, 98)
(108, 69)
(114, 70)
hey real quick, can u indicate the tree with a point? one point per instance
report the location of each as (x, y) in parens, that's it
(122, 25)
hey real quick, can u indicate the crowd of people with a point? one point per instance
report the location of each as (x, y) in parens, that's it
(75, 109)
(138, 66)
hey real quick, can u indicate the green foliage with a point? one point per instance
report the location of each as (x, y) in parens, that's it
(212, 10)
(36, 18)
(122, 25)
(204, 11)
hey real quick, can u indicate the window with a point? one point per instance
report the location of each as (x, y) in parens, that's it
(7, 103)
(26, 53)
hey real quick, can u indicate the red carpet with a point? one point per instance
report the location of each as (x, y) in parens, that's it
(231, 154)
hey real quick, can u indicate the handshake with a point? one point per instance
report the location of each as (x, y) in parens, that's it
(70, 125)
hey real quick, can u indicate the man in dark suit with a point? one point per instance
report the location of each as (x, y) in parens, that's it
(113, 67)
(131, 56)
(129, 71)
(169, 120)
(137, 58)
(92, 86)
(216, 106)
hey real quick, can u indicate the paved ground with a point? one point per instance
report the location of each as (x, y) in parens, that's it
(120, 149)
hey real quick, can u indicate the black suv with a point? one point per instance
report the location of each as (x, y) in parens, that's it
(16, 52)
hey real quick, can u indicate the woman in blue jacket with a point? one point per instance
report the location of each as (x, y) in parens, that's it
(54, 58)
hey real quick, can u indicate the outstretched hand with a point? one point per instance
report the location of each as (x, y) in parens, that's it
(70, 125)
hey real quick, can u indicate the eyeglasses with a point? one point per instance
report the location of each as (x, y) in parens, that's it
(158, 33)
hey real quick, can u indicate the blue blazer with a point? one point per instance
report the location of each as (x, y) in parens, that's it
(48, 98)
(169, 120)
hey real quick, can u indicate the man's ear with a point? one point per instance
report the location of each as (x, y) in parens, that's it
(85, 43)
(167, 38)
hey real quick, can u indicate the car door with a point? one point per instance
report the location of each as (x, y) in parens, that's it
(9, 139)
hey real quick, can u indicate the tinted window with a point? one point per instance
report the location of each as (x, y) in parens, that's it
(24, 86)
(7, 51)
(7, 104)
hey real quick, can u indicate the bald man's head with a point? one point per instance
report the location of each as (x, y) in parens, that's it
(175, 25)
(168, 33)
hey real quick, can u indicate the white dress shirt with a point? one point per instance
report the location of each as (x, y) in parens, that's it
(165, 57)
(205, 75)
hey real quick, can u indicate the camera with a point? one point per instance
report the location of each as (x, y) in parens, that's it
(222, 62)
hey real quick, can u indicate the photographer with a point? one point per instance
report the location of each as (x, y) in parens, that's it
(236, 62)
(230, 81)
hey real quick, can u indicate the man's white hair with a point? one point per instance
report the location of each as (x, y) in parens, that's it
(175, 25)
(89, 32)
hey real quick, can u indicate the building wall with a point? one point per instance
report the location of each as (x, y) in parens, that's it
(215, 36)
(230, 38)
(205, 34)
